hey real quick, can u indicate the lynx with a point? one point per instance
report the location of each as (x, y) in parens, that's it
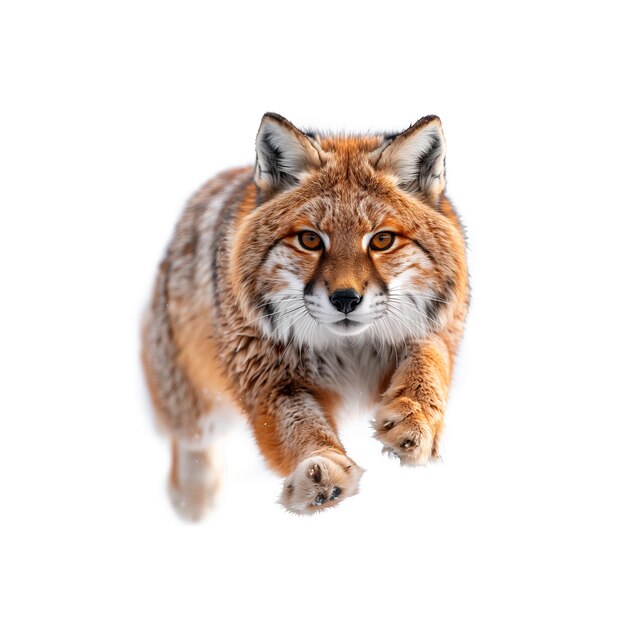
(333, 269)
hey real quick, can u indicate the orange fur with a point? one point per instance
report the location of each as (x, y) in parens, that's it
(242, 309)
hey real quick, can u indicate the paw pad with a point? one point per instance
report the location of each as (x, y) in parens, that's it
(315, 473)
(322, 498)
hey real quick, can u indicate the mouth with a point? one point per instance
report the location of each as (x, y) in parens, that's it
(346, 323)
(347, 327)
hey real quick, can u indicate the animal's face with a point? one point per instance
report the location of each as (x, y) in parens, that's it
(345, 269)
(341, 245)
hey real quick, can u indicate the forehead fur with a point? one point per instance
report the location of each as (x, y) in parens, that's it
(346, 145)
(347, 193)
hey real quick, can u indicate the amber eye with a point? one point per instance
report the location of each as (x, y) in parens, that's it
(310, 240)
(382, 241)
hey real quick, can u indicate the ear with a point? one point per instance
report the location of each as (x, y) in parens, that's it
(416, 158)
(283, 154)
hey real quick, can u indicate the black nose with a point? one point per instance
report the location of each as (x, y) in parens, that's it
(345, 300)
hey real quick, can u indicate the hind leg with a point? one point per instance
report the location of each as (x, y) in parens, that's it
(186, 412)
(194, 479)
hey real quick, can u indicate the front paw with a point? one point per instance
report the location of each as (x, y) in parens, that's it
(320, 482)
(407, 432)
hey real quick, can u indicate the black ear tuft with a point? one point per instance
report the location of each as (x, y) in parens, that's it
(284, 154)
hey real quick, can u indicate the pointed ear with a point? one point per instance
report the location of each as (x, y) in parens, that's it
(416, 158)
(283, 154)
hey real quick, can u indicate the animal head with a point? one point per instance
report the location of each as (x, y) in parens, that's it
(352, 236)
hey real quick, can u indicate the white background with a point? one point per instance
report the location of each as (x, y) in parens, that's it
(113, 113)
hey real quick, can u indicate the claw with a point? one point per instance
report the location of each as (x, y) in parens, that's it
(390, 452)
(315, 473)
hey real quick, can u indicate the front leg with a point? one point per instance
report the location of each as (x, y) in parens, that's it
(409, 420)
(298, 438)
